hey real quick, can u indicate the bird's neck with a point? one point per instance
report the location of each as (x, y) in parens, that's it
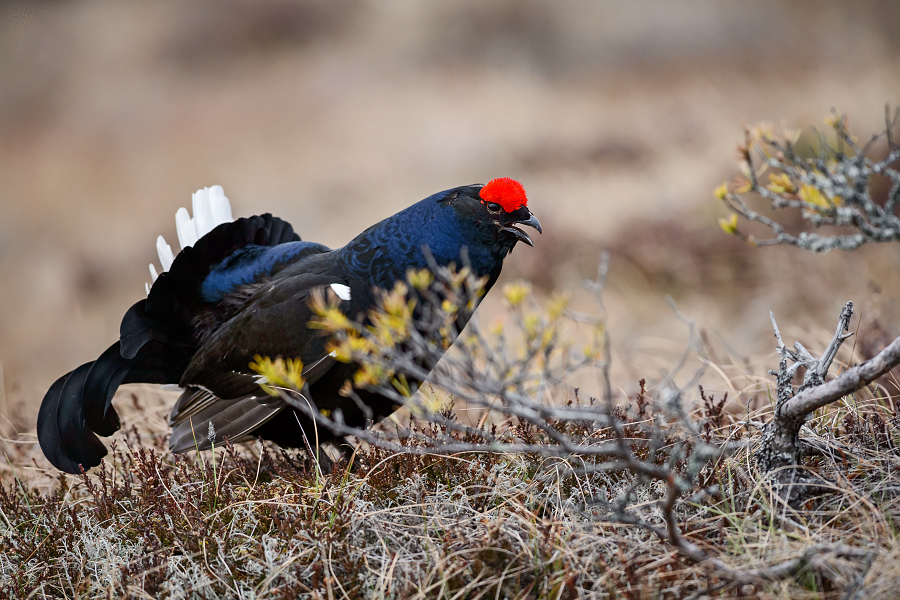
(384, 253)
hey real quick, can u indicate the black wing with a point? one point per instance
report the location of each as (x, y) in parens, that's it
(220, 388)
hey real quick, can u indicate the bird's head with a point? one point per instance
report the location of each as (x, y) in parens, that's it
(506, 205)
(496, 211)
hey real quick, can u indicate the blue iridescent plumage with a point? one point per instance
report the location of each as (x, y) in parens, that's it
(383, 253)
(250, 264)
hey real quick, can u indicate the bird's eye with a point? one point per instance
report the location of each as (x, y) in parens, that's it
(493, 207)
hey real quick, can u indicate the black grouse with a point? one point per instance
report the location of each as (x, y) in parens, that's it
(243, 288)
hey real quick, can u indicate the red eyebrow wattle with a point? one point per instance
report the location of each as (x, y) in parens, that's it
(507, 192)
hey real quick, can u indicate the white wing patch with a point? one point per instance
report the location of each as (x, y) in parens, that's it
(211, 208)
(342, 291)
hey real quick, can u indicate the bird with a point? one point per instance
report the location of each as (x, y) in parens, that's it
(242, 288)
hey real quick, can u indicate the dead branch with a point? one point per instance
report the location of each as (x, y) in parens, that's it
(780, 451)
(851, 380)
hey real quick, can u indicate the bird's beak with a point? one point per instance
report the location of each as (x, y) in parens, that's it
(521, 236)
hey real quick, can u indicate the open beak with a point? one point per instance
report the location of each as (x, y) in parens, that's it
(521, 236)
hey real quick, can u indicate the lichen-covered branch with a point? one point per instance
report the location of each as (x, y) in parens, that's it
(827, 180)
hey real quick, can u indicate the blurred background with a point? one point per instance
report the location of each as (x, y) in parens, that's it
(619, 118)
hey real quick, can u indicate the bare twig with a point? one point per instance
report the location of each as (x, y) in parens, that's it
(662, 447)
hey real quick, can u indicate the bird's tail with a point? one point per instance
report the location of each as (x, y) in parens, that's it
(157, 335)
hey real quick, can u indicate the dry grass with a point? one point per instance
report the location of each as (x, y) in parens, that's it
(254, 522)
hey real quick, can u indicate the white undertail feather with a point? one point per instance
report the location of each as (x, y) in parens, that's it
(211, 208)
(164, 250)
(184, 226)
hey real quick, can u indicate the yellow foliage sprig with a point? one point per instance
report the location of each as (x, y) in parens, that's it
(278, 373)
(516, 293)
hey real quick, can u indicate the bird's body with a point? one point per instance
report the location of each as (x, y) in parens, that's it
(244, 289)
